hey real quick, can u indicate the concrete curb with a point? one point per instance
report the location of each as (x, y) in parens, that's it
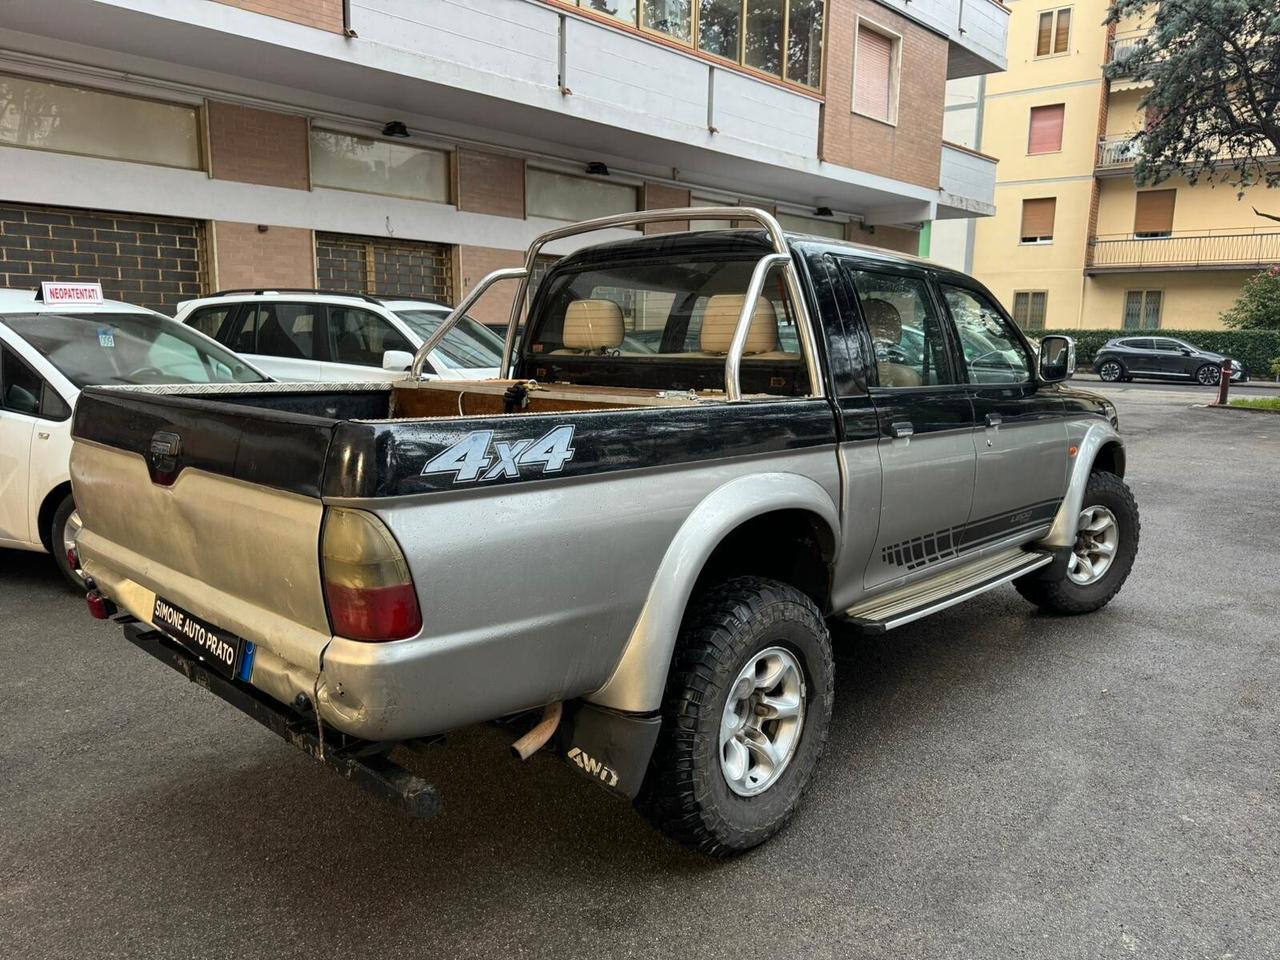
(1266, 386)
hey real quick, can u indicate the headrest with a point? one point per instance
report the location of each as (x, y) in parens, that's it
(593, 325)
(883, 320)
(721, 318)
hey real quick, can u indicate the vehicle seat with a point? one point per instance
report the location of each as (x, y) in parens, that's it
(592, 326)
(885, 324)
(720, 319)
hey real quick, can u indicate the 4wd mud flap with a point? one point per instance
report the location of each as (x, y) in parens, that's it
(607, 746)
(363, 763)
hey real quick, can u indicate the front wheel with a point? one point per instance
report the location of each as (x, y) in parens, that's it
(745, 717)
(1111, 371)
(1208, 375)
(1106, 545)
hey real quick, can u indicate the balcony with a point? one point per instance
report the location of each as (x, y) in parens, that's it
(1122, 45)
(1116, 155)
(1229, 249)
(967, 183)
(977, 31)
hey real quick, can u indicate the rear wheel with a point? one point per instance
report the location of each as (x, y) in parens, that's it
(745, 717)
(1106, 544)
(1111, 371)
(62, 537)
(1208, 375)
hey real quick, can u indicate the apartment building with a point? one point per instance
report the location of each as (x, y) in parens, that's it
(1075, 243)
(172, 147)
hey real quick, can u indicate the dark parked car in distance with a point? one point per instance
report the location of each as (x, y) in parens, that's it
(1161, 358)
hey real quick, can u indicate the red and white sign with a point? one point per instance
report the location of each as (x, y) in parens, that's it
(71, 292)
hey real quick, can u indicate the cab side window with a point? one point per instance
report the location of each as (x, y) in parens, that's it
(907, 334)
(24, 391)
(362, 337)
(993, 353)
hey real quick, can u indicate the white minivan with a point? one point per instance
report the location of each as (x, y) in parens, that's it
(48, 352)
(312, 335)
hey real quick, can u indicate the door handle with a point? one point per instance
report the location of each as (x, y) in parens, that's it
(42, 435)
(994, 420)
(902, 429)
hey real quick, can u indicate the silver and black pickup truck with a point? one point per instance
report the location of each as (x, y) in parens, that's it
(704, 447)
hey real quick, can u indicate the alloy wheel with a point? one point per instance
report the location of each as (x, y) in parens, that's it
(1208, 375)
(762, 721)
(1097, 539)
(1110, 371)
(71, 530)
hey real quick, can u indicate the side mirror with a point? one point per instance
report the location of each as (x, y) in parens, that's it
(1057, 358)
(1186, 352)
(398, 360)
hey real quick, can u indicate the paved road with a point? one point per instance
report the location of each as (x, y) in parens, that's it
(999, 784)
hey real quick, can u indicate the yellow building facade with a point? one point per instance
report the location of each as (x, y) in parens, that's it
(1075, 243)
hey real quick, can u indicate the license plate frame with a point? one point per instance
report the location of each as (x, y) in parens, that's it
(222, 650)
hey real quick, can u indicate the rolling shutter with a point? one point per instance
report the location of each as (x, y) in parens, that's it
(1062, 33)
(1046, 129)
(391, 268)
(1045, 35)
(872, 82)
(1037, 218)
(1153, 212)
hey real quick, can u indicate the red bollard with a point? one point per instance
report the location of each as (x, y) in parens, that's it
(1224, 382)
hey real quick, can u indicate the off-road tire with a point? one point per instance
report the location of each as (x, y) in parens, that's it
(685, 793)
(1067, 597)
(56, 528)
(1106, 375)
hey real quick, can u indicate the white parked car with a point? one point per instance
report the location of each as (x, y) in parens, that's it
(312, 335)
(48, 352)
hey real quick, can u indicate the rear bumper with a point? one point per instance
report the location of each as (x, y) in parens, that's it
(362, 762)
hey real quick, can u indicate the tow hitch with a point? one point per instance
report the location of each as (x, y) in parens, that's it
(363, 762)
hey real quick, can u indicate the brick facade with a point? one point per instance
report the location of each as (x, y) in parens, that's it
(490, 183)
(657, 197)
(911, 150)
(258, 146)
(321, 14)
(244, 256)
(474, 263)
(149, 261)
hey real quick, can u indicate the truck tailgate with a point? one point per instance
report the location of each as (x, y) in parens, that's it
(233, 538)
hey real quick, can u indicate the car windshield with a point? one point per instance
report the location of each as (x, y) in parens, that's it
(124, 348)
(469, 345)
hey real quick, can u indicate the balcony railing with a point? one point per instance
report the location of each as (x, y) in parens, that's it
(1121, 46)
(1205, 249)
(1117, 152)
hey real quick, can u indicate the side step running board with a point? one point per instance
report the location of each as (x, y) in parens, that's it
(916, 600)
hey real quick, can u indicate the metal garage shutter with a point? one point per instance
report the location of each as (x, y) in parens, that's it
(389, 268)
(149, 261)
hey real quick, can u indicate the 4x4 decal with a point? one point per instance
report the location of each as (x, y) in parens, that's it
(477, 456)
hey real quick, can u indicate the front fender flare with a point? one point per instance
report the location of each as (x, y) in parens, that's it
(1096, 436)
(640, 677)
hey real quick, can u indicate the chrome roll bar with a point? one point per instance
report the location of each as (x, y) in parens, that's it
(781, 257)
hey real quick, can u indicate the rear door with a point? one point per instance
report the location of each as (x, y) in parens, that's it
(924, 421)
(282, 338)
(19, 408)
(1019, 435)
(1139, 355)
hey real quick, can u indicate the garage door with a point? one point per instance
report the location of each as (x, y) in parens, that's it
(389, 268)
(150, 261)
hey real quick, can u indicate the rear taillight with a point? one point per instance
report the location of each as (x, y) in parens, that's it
(366, 579)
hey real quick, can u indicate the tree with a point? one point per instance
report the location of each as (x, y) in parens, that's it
(1258, 306)
(1213, 111)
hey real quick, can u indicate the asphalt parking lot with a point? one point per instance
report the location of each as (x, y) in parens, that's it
(998, 784)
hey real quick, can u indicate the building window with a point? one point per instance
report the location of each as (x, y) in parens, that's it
(347, 162)
(696, 201)
(875, 74)
(1037, 220)
(781, 38)
(672, 17)
(1054, 35)
(1046, 129)
(1142, 309)
(1153, 213)
(70, 119)
(1029, 308)
(832, 229)
(560, 196)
